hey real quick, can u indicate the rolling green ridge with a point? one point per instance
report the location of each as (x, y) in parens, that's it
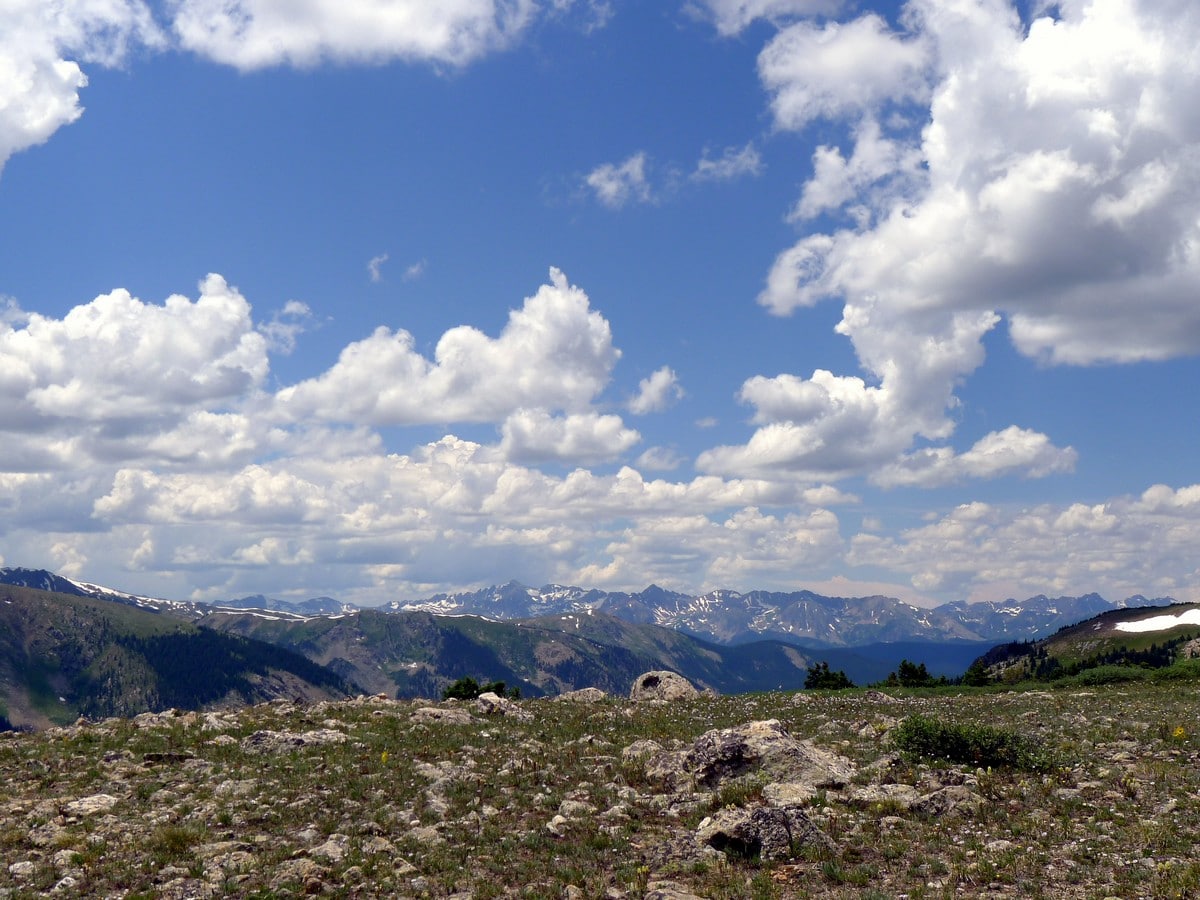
(419, 654)
(63, 656)
(1093, 645)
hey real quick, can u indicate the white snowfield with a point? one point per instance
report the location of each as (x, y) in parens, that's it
(1162, 623)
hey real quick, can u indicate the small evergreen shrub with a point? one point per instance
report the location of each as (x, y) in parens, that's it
(820, 677)
(984, 746)
(468, 688)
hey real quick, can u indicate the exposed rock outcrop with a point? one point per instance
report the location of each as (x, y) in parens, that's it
(662, 687)
(762, 831)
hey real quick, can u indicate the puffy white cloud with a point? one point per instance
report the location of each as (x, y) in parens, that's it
(41, 46)
(1061, 184)
(407, 518)
(837, 181)
(840, 68)
(555, 353)
(656, 392)
(1013, 450)
(1124, 546)
(617, 185)
(1055, 183)
(118, 365)
(746, 548)
(252, 34)
(831, 426)
(532, 436)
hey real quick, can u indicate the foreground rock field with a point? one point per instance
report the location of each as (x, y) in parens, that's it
(757, 796)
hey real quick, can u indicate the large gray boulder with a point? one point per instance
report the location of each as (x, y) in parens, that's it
(664, 687)
(762, 832)
(764, 748)
(790, 769)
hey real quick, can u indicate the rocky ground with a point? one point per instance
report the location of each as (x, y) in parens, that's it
(773, 795)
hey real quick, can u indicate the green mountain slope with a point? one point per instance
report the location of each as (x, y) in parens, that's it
(1142, 638)
(62, 656)
(419, 654)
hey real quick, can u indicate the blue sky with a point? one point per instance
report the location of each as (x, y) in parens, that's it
(375, 300)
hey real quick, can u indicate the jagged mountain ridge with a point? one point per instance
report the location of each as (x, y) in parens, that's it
(801, 617)
(42, 580)
(723, 616)
(316, 606)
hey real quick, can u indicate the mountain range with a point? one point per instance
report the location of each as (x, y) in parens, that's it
(722, 616)
(799, 617)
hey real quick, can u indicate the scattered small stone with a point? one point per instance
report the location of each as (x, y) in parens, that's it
(443, 715)
(286, 742)
(583, 695)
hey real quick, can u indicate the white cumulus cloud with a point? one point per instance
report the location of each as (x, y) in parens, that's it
(616, 185)
(1062, 184)
(41, 47)
(119, 361)
(253, 34)
(656, 392)
(555, 353)
(837, 69)
(533, 436)
(1054, 187)
(1121, 547)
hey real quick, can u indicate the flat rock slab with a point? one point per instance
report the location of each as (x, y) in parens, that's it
(290, 741)
(444, 716)
(90, 806)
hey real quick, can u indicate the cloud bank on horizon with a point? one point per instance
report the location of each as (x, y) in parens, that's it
(1003, 201)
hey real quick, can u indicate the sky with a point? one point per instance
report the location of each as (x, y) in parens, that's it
(375, 299)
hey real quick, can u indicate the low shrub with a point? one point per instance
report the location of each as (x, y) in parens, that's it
(1180, 670)
(970, 744)
(1104, 675)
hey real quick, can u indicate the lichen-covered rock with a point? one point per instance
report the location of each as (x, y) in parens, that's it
(492, 704)
(289, 741)
(904, 796)
(444, 715)
(583, 695)
(641, 749)
(761, 832)
(663, 687)
(949, 800)
(90, 806)
(669, 890)
(764, 747)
